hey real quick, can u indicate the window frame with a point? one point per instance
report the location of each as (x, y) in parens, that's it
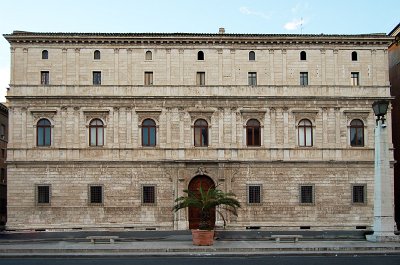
(304, 79)
(355, 78)
(201, 131)
(45, 55)
(38, 196)
(252, 78)
(96, 55)
(97, 127)
(252, 55)
(302, 199)
(47, 129)
(3, 131)
(364, 194)
(354, 56)
(252, 142)
(149, 128)
(91, 195)
(200, 56)
(201, 78)
(250, 196)
(45, 78)
(148, 55)
(152, 195)
(96, 78)
(303, 128)
(303, 56)
(356, 129)
(148, 78)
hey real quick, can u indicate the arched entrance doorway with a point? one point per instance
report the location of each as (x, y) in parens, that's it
(194, 213)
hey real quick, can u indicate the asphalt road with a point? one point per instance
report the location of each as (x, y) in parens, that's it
(273, 260)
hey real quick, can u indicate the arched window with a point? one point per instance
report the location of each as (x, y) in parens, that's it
(303, 56)
(354, 56)
(252, 56)
(149, 55)
(96, 55)
(305, 132)
(200, 56)
(43, 133)
(148, 133)
(253, 133)
(45, 54)
(201, 133)
(96, 133)
(356, 133)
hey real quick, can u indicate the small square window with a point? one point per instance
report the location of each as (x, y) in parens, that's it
(355, 78)
(201, 78)
(43, 194)
(252, 76)
(96, 194)
(148, 78)
(307, 194)
(304, 78)
(148, 194)
(44, 77)
(96, 78)
(359, 194)
(254, 194)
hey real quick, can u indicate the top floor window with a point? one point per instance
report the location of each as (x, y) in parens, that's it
(200, 56)
(354, 56)
(252, 56)
(45, 54)
(149, 56)
(303, 56)
(96, 55)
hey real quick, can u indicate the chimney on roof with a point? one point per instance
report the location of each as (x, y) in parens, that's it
(221, 30)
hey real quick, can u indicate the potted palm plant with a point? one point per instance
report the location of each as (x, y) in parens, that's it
(207, 201)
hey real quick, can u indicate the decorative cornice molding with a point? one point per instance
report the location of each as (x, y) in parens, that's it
(178, 39)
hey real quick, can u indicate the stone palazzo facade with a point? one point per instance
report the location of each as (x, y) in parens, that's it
(107, 130)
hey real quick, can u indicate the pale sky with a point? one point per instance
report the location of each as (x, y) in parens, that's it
(205, 16)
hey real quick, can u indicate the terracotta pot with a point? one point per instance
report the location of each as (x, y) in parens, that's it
(203, 237)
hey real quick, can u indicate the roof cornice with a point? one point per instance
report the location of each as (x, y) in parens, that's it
(24, 37)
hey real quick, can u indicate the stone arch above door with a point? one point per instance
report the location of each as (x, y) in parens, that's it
(194, 185)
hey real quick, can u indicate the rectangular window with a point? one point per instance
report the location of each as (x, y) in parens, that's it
(43, 194)
(96, 78)
(96, 194)
(149, 194)
(44, 77)
(3, 131)
(201, 79)
(148, 78)
(307, 194)
(254, 194)
(355, 78)
(304, 78)
(252, 78)
(359, 195)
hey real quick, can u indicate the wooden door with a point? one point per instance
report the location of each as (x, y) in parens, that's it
(194, 213)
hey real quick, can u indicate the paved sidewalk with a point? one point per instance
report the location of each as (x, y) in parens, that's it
(184, 247)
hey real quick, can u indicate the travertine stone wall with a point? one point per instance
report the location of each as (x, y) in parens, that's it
(174, 102)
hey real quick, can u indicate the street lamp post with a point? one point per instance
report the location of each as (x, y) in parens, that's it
(383, 180)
